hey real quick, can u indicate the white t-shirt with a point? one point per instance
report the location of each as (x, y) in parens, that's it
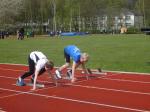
(39, 59)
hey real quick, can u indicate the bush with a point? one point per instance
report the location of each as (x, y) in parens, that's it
(133, 30)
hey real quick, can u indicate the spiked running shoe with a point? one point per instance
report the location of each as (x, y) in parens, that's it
(58, 74)
(20, 82)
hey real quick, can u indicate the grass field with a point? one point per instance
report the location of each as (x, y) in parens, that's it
(110, 52)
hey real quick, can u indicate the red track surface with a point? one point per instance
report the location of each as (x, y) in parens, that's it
(114, 92)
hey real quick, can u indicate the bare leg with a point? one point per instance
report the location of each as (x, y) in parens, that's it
(66, 65)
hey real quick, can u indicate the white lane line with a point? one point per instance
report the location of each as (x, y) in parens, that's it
(108, 89)
(124, 80)
(10, 95)
(78, 101)
(101, 77)
(39, 89)
(1, 110)
(137, 73)
(10, 69)
(13, 64)
(27, 91)
(92, 87)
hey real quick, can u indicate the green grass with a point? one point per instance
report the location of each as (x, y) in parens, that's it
(110, 52)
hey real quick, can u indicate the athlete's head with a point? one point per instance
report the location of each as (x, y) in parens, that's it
(84, 57)
(49, 65)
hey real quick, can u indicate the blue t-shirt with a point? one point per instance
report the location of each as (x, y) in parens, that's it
(74, 52)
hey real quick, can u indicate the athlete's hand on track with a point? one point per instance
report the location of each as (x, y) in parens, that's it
(73, 80)
(34, 88)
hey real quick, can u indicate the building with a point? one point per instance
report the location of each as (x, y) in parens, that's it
(104, 24)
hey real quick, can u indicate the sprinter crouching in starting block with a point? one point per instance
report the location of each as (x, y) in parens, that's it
(38, 64)
(74, 53)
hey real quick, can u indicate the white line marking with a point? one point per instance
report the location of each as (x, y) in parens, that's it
(14, 64)
(27, 91)
(101, 77)
(8, 77)
(92, 87)
(123, 80)
(10, 69)
(78, 101)
(1, 110)
(108, 89)
(10, 95)
(137, 73)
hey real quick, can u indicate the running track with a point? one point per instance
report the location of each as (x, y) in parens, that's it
(114, 92)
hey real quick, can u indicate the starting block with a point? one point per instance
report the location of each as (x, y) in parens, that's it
(37, 85)
(95, 73)
(91, 73)
(63, 80)
(57, 82)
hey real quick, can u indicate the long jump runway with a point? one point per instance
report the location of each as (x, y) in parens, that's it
(114, 92)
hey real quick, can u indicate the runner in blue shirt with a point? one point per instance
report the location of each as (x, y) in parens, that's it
(74, 53)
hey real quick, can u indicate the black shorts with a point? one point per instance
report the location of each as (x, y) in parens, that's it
(67, 57)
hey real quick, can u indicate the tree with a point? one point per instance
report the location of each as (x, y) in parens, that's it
(66, 15)
(143, 7)
(9, 9)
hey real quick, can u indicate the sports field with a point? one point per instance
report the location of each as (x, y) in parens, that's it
(105, 91)
(110, 52)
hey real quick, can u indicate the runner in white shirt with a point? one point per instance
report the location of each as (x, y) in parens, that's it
(38, 64)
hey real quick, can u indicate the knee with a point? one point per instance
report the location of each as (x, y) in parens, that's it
(67, 64)
(31, 72)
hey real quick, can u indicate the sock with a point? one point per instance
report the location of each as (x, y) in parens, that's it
(20, 79)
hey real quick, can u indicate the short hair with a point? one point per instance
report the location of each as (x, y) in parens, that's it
(85, 55)
(49, 64)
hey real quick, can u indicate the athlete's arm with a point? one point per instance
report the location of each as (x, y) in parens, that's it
(73, 71)
(84, 68)
(35, 79)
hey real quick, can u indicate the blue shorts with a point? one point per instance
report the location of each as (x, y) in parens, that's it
(67, 57)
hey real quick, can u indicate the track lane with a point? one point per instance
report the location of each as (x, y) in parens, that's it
(114, 98)
(74, 104)
(95, 96)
